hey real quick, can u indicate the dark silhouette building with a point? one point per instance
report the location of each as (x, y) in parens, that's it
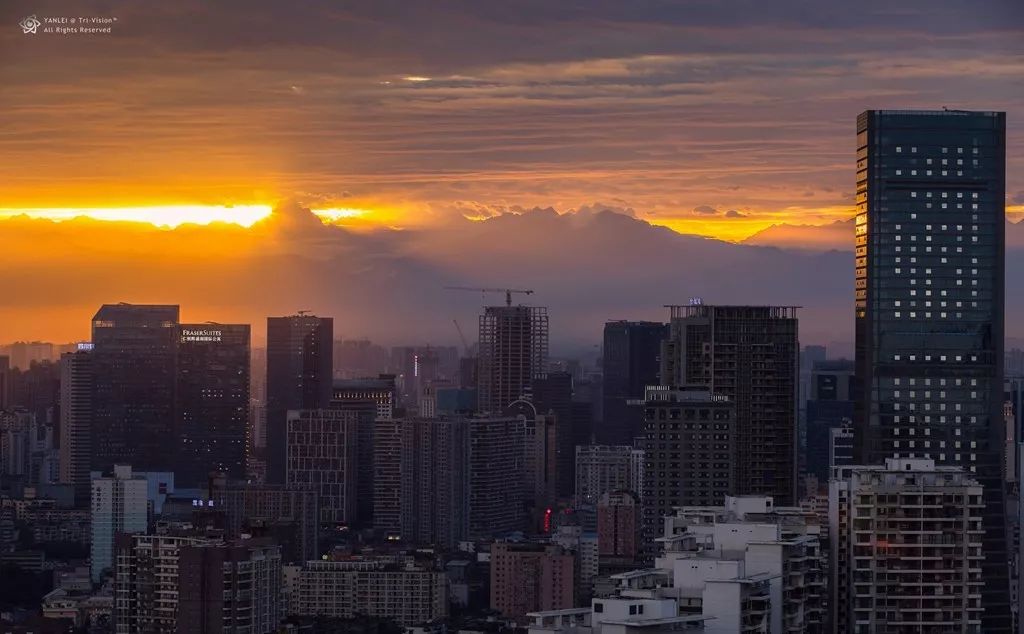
(513, 350)
(829, 406)
(134, 398)
(299, 367)
(750, 355)
(690, 453)
(929, 296)
(213, 401)
(631, 361)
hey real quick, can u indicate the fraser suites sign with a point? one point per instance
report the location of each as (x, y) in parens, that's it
(189, 335)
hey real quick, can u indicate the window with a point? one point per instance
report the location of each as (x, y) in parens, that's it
(598, 607)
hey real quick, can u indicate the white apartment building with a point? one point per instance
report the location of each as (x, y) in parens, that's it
(906, 540)
(407, 593)
(119, 505)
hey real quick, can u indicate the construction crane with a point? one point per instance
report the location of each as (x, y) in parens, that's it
(508, 291)
(461, 336)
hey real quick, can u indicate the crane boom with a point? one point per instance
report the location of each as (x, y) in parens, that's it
(508, 291)
(461, 336)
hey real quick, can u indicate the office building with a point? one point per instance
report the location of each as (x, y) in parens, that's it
(119, 506)
(829, 406)
(322, 453)
(929, 298)
(213, 401)
(229, 587)
(409, 594)
(748, 354)
(513, 350)
(906, 543)
(288, 514)
(552, 396)
(840, 447)
(134, 364)
(690, 453)
(299, 366)
(631, 360)
(604, 468)
(76, 412)
(528, 577)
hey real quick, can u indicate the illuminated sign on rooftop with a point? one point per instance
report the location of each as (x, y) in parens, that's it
(198, 336)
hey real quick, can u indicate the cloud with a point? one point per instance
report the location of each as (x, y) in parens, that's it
(1018, 199)
(732, 213)
(705, 210)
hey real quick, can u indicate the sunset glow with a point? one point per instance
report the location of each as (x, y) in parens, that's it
(168, 216)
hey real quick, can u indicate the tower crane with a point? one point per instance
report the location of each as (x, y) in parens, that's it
(508, 291)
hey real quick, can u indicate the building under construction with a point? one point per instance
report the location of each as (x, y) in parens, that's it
(513, 350)
(749, 354)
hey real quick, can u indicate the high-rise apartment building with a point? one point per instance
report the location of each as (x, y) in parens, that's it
(618, 525)
(604, 468)
(373, 399)
(495, 459)
(134, 364)
(119, 506)
(411, 595)
(513, 350)
(690, 453)
(423, 497)
(527, 577)
(906, 543)
(322, 453)
(631, 361)
(146, 581)
(750, 355)
(929, 297)
(213, 401)
(299, 366)
(229, 587)
(287, 514)
(76, 412)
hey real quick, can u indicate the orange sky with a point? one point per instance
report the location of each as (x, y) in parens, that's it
(413, 116)
(386, 116)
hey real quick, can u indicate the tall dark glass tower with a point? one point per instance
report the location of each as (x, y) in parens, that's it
(299, 367)
(631, 362)
(134, 364)
(929, 304)
(213, 401)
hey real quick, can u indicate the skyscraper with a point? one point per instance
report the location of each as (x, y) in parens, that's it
(929, 280)
(213, 401)
(631, 360)
(76, 411)
(299, 366)
(134, 362)
(513, 350)
(750, 355)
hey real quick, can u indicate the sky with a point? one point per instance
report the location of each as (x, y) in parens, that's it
(396, 120)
